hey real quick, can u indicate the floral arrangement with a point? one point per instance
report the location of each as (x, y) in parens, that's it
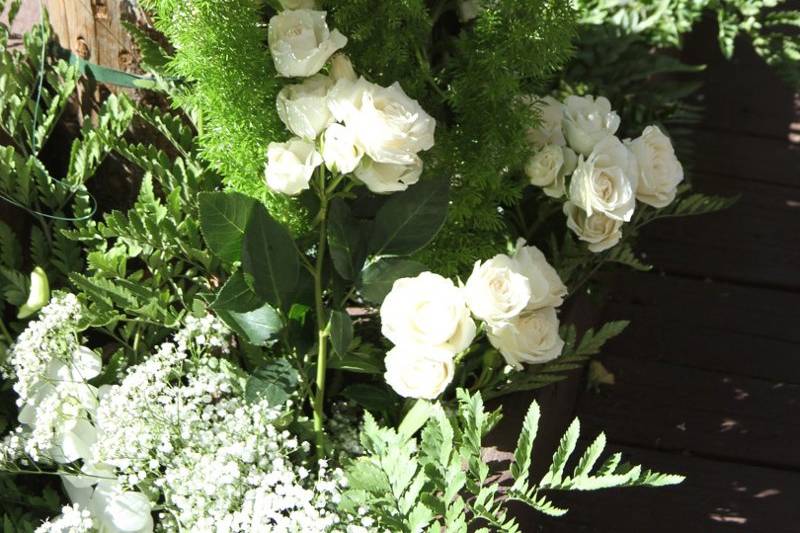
(332, 261)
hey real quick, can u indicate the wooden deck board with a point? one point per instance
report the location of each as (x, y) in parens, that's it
(716, 496)
(757, 241)
(732, 329)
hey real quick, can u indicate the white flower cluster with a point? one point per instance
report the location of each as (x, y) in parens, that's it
(577, 138)
(73, 519)
(430, 319)
(344, 121)
(176, 432)
(52, 371)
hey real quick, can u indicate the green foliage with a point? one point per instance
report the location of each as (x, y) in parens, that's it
(25, 502)
(771, 30)
(220, 48)
(443, 481)
(50, 203)
(574, 356)
(147, 265)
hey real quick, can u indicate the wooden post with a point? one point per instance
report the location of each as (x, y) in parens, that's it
(93, 30)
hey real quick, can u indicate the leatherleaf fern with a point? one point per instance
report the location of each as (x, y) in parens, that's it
(447, 480)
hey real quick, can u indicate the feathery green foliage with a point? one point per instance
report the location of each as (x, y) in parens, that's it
(220, 49)
(414, 485)
(469, 77)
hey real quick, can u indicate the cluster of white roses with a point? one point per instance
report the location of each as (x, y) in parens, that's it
(344, 121)
(577, 138)
(430, 319)
(177, 430)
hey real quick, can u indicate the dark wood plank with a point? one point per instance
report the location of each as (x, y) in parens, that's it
(752, 158)
(665, 406)
(716, 496)
(755, 241)
(733, 329)
(742, 95)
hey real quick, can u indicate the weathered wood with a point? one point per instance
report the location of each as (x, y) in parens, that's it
(93, 29)
(716, 496)
(755, 159)
(738, 330)
(755, 241)
(744, 95)
(671, 407)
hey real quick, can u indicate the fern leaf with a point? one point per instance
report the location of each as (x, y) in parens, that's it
(590, 457)
(565, 448)
(520, 466)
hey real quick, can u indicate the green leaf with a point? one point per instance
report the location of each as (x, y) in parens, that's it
(521, 465)
(223, 220)
(10, 252)
(565, 448)
(374, 398)
(410, 220)
(346, 240)
(355, 363)
(341, 332)
(236, 295)
(366, 476)
(377, 279)
(415, 418)
(275, 382)
(270, 257)
(257, 326)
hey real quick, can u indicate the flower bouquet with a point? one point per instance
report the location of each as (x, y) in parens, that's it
(337, 251)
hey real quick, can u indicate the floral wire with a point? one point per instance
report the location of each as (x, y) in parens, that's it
(35, 151)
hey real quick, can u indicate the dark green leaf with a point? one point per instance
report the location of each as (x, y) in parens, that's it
(223, 220)
(257, 326)
(270, 257)
(355, 363)
(374, 398)
(341, 331)
(377, 279)
(410, 220)
(236, 295)
(346, 240)
(275, 382)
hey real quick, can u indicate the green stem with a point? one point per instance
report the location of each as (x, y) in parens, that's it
(322, 330)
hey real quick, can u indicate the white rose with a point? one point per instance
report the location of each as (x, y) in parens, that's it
(531, 337)
(598, 230)
(495, 291)
(339, 149)
(427, 310)
(297, 4)
(605, 182)
(301, 43)
(660, 172)
(383, 178)
(303, 108)
(290, 165)
(342, 68)
(550, 129)
(546, 286)
(389, 126)
(588, 121)
(120, 510)
(416, 371)
(546, 168)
